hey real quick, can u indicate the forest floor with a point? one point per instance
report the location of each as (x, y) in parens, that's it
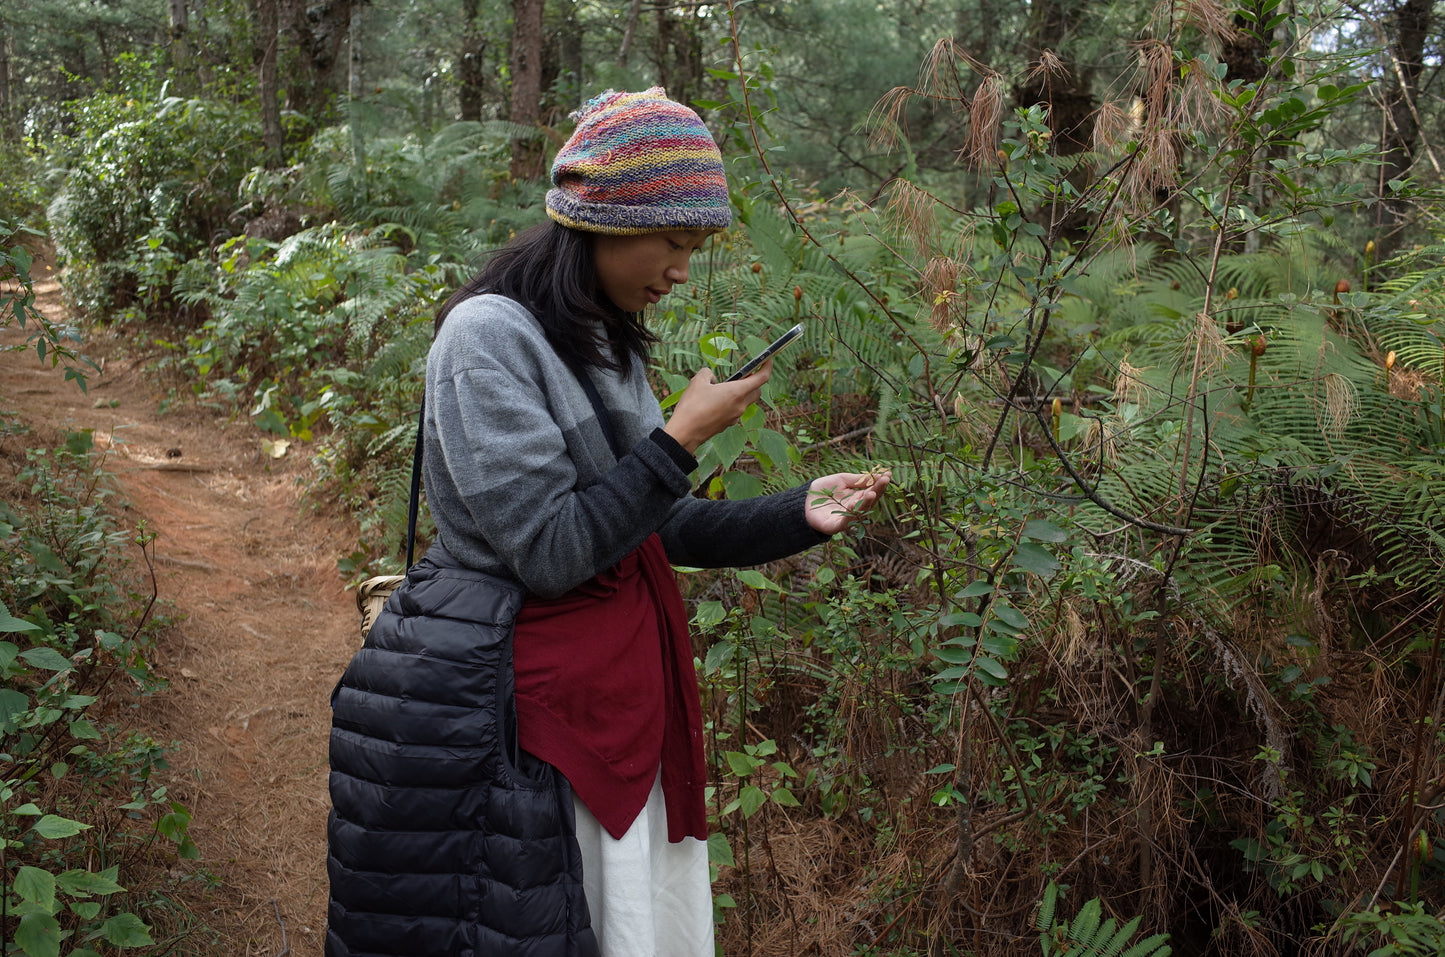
(262, 628)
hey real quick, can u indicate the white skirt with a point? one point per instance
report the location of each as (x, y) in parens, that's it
(647, 897)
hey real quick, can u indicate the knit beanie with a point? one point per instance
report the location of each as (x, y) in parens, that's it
(638, 163)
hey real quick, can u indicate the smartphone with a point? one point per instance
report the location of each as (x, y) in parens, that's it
(752, 364)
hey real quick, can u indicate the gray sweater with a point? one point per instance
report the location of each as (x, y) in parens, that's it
(520, 479)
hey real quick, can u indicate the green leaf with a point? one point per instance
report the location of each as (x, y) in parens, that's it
(47, 658)
(12, 702)
(53, 826)
(719, 851)
(10, 624)
(785, 798)
(78, 883)
(37, 886)
(717, 657)
(38, 935)
(954, 655)
(726, 446)
(756, 579)
(84, 730)
(1009, 615)
(1036, 559)
(741, 485)
(751, 798)
(992, 667)
(742, 764)
(126, 930)
(1042, 531)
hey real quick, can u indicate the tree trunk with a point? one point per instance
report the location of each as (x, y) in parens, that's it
(526, 103)
(8, 126)
(180, 41)
(318, 32)
(569, 55)
(471, 70)
(629, 32)
(1401, 139)
(354, 90)
(267, 44)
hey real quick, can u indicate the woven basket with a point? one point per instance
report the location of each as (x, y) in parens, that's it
(371, 595)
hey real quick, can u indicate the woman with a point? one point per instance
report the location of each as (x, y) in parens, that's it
(517, 761)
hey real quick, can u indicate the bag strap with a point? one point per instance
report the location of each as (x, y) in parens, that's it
(599, 409)
(414, 505)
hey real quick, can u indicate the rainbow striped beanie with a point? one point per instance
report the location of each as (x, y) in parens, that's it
(638, 163)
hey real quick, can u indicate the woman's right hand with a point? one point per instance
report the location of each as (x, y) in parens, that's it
(707, 406)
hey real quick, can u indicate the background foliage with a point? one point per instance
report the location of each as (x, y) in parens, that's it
(1140, 303)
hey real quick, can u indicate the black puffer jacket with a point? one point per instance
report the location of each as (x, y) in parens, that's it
(440, 845)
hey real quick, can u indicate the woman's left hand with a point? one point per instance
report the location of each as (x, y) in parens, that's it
(836, 501)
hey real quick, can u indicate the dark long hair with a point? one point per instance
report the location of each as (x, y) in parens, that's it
(551, 270)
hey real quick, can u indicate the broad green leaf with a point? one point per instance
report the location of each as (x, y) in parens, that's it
(992, 666)
(10, 624)
(719, 851)
(756, 579)
(127, 930)
(53, 826)
(1036, 559)
(742, 764)
(751, 798)
(78, 883)
(784, 797)
(47, 658)
(36, 886)
(726, 446)
(741, 485)
(1009, 614)
(12, 702)
(717, 657)
(1042, 531)
(38, 935)
(954, 655)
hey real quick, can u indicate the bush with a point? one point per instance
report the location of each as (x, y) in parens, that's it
(149, 186)
(75, 635)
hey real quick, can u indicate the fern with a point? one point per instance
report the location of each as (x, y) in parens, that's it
(1089, 934)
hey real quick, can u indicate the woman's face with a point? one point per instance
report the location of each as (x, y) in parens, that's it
(636, 271)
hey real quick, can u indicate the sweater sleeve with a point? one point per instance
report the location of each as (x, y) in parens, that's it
(727, 534)
(509, 460)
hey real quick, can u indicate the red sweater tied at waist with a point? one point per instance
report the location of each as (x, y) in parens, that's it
(606, 693)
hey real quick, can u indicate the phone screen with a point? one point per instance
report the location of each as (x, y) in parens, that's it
(752, 364)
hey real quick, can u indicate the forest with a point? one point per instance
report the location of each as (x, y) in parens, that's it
(1143, 305)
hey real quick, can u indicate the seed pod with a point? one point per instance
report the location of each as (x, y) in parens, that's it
(1342, 286)
(1232, 294)
(1370, 249)
(1390, 360)
(797, 293)
(757, 267)
(1423, 849)
(1257, 346)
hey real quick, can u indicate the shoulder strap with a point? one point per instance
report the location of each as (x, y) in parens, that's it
(600, 410)
(412, 506)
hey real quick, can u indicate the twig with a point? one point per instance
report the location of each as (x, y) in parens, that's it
(285, 947)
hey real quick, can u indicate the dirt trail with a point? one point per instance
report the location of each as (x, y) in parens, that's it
(265, 629)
